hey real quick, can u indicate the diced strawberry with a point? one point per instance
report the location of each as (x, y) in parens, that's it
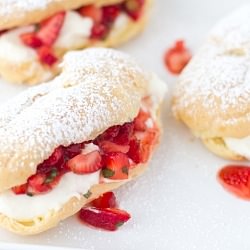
(110, 133)
(99, 31)
(85, 164)
(55, 160)
(125, 133)
(2, 32)
(22, 189)
(134, 152)
(177, 57)
(73, 150)
(109, 147)
(133, 8)
(92, 11)
(46, 55)
(139, 150)
(36, 184)
(51, 28)
(140, 120)
(106, 218)
(110, 13)
(116, 166)
(31, 40)
(106, 200)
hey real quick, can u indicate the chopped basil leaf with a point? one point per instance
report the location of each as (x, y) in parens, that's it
(107, 173)
(119, 224)
(125, 170)
(53, 174)
(88, 194)
(30, 194)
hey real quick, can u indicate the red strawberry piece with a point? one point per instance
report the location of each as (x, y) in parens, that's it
(139, 150)
(46, 55)
(109, 134)
(99, 31)
(73, 150)
(36, 184)
(85, 164)
(105, 218)
(55, 160)
(133, 8)
(31, 40)
(109, 147)
(125, 134)
(92, 11)
(236, 179)
(116, 166)
(177, 57)
(2, 32)
(51, 28)
(134, 152)
(22, 189)
(106, 200)
(110, 13)
(140, 120)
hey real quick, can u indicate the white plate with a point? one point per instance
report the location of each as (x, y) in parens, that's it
(177, 204)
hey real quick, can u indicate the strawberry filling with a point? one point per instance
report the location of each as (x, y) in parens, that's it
(48, 30)
(113, 153)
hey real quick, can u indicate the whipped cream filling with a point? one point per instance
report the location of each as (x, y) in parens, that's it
(12, 48)
(239, 146)
(24, 208)
(75, 30)
(121, 22)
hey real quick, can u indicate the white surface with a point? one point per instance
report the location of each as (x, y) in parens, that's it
(177, 204)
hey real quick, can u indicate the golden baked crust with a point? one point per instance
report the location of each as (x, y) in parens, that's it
(218, 147)
(31, 72)
(212, 96)
(16, 13)
(98, 88)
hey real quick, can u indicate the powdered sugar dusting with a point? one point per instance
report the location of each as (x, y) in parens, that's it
(22, 6)
(98, 88)
(218, 77)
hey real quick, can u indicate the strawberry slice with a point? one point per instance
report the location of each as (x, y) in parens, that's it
(110, 13)
(125, 134)
(133, 8)
(106, 200)
(51, 28)
(109, 147)
(99, 31)
(73, 150)
(55, 160)
(105, 218)
(46, 55)
(116, 166)
(22, 189)
(31, 40)
(109, 134)
(177, 57)
(92, 11)
(236, 179)
(85, 164)
(134, 152)
(140, 120)
(36, 184)
(140, 150)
